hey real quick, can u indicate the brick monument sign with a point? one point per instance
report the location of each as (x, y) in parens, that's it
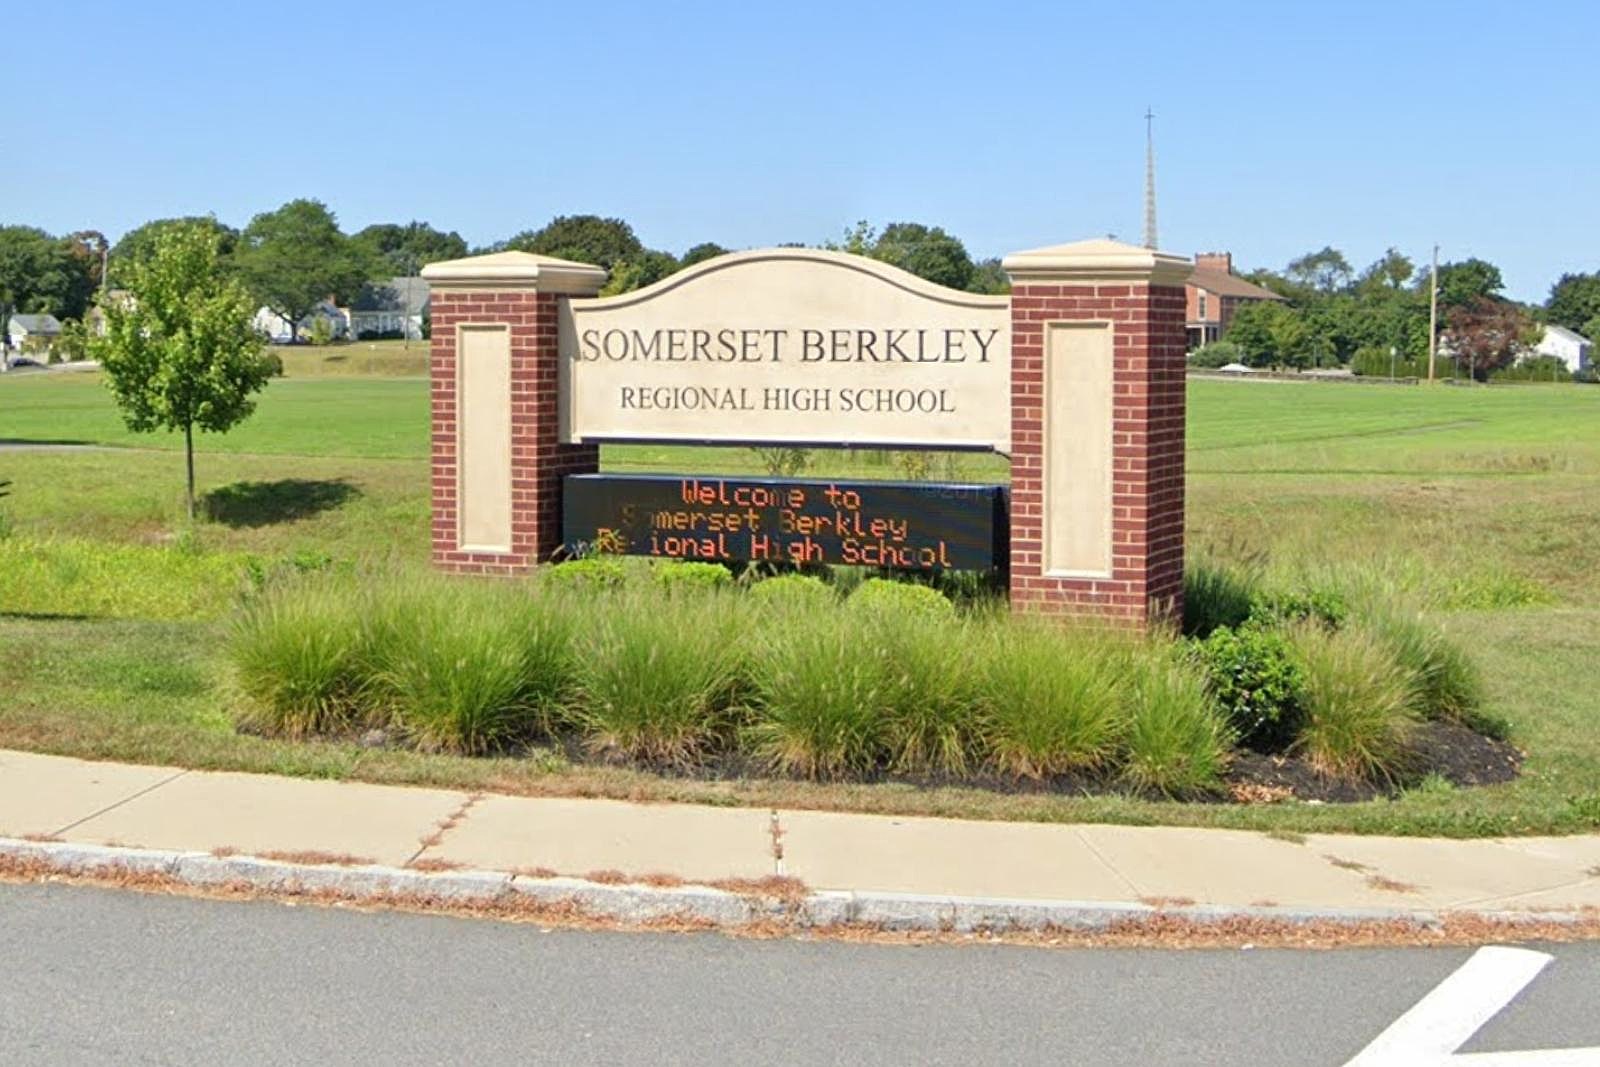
(1077, 376)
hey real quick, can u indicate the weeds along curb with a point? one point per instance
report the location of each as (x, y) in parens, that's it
(690, 907)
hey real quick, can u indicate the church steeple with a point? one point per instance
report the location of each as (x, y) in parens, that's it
(1149, 179)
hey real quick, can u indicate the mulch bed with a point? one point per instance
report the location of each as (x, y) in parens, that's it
(1460, 755)
(1456, 753)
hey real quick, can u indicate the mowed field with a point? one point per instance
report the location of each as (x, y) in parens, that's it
(1480, 505)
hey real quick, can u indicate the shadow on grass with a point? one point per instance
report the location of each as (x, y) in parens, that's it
(266, 503)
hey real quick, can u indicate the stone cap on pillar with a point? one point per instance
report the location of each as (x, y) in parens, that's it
(1095, 261)
(516, 270)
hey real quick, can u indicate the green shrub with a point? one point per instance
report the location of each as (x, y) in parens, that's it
(1177, 738)
(820, 695)
(1326, 607)
(1360, 704)
(792, 590)
(469, 667)
(604, 572)
(930, 699)
(1448, 684)
(692, 575)
(901, 599)
(1258, 683)
(1052, 700)
(659, 686)
(1214, 596)
(1217, 354)
(296, 655)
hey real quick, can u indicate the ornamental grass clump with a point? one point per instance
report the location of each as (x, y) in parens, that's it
(470, 668)
(660, 686)
(1178, 739)
(930, 698)
(296, 653)
(1360, 704)
(1052, 699)
(1214, 596)
(1448, 683)
(822, 691)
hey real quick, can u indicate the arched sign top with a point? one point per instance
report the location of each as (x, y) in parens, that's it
(872, 268)
(789, 345)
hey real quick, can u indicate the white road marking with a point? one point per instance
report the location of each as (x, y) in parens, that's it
(1457, 1008)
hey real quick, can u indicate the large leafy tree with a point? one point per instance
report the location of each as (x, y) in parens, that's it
(1387, 275)
(702, 252)
(926, 251)
(638, 271)
(1487, 334)
(1466, 282)
(294, 258)
(39, 273)
(404, 250)
(1273, 335)
(179, 351)
(1575, 301)
(1325, 271)
(138, 245)
(583, 239)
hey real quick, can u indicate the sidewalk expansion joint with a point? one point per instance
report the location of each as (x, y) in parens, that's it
(1112, 867)
(113, 807)
(776, 831)
(444, 826)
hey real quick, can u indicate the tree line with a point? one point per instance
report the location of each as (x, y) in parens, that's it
(1376, 321)
(291, 259)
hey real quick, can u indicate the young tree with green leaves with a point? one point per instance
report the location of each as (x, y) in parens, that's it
(179, 351)
(138, 245)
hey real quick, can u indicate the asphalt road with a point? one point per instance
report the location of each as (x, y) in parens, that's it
(102, 976)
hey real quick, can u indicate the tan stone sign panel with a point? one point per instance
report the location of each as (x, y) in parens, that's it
(789, 345)
(484, 422)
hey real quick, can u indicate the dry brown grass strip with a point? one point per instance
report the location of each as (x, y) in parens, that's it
(314, 858)
(1389, 885)
(775, 887)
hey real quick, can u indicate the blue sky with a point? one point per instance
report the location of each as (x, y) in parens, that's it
(1280, 127)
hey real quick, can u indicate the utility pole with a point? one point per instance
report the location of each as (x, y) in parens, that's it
(1433, 311)
(1149, 179)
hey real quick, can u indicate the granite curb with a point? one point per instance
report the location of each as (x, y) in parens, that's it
(706, 906)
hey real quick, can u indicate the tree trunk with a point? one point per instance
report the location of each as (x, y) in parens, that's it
(188, 452)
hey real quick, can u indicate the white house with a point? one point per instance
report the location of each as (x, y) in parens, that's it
(1570, 348)
(30, 332)
(276, 328)
(394, 308)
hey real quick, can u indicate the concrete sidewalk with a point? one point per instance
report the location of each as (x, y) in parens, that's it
(60, 799)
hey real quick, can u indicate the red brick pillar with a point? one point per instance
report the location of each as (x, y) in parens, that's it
(1097, 431)
(495, 373)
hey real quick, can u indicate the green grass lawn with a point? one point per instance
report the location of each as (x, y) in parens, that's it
(1483, 503)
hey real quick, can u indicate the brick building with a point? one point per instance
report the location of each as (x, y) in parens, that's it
(1214, 294)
